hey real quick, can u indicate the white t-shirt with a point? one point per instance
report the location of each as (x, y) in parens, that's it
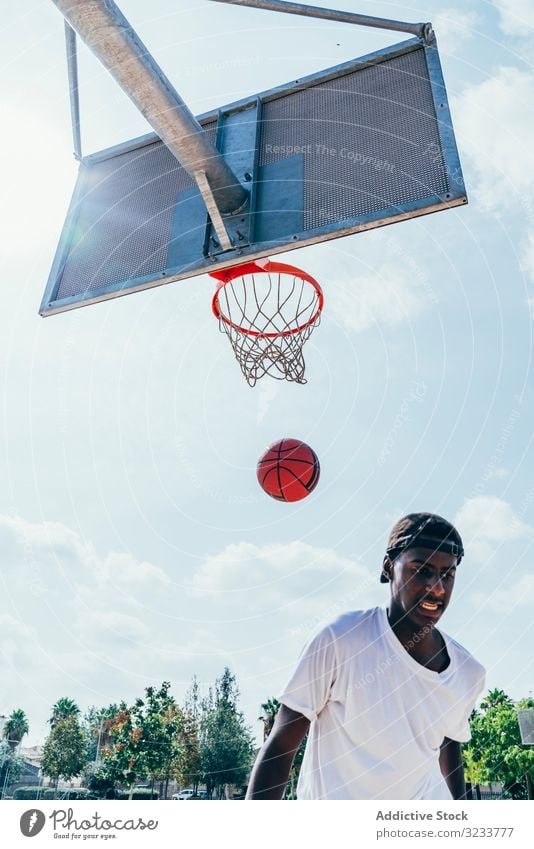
(378, 717)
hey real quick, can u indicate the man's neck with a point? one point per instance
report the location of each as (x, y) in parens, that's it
(424, 643)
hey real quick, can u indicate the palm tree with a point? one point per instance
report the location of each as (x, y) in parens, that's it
(15, 728)
(494, 698)
(270, 708)
(63, 709)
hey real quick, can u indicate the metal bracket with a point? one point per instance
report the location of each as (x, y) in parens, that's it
(213, 210)
(428, 33)
(421, 30)
(72, 71)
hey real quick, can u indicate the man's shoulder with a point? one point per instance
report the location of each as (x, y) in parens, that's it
(465, 661)
(353, 623)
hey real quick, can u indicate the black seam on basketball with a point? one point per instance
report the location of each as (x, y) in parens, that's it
(308, 461)
(280, 450)
(288, 458)
(294, 476)
(314, 477)
(291, 472)
(270, 473)
(280, 487)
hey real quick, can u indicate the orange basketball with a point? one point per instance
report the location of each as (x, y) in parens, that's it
(288, 470)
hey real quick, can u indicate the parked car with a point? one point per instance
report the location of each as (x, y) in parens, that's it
(183, 795)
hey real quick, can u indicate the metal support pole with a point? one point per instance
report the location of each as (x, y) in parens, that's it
(211, 206)
(105, 30)
(422, 30)
(72, 69)
(97, 756)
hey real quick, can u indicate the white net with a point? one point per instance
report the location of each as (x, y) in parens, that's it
(268, 315)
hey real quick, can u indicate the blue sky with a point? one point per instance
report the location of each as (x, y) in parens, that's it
(135, 543)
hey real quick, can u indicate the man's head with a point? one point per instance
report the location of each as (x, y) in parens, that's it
(422, 553)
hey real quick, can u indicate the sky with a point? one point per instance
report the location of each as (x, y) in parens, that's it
(135, 543)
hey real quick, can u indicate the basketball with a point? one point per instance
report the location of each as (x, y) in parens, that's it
(288, 470)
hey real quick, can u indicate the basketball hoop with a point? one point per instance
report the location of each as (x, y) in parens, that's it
(268, 311)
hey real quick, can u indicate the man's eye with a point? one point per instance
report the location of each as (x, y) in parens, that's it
(449, 575)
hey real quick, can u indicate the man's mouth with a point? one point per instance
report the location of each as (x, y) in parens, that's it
(431, 606)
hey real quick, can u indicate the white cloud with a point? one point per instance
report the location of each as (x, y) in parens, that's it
(495, 126)
(527, 256)
(496, 473)
(110, 626)
(377, 294)
(487, 521)
(277, 576)
(125, 569)
(75, 622)
(44, 547)
(519, 594)
(453, 26)
(384, 297)
(516, 17)
(15, 642)
(88, 600)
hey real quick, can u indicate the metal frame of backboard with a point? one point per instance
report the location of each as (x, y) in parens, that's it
(245, 116)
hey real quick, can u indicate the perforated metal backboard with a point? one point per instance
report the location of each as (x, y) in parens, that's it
(526, 726)
(358, 146)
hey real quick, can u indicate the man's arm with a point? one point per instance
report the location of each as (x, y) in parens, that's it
(271, 770)
(452, 767)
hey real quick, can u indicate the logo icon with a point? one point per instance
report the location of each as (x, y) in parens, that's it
(32, 822)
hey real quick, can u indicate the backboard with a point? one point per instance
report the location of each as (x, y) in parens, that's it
(526, 726)
(357, 146)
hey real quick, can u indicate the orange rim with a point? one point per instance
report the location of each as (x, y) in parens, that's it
(228, 274)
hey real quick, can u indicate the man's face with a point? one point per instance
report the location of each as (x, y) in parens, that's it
(421, 584)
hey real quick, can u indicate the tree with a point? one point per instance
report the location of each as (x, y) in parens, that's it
(11, 766)
(63, 709)
(193, 701)
(475, 772)
(15, 728)
(96, 726)
(144, 738)
(495, 748)
(99, 780)
(226, 745)
(188, 765)
(65, 750)
(270, 708)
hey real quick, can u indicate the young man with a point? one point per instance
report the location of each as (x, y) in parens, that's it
(384, 696)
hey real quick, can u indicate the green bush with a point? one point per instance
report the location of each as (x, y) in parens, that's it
(78, 793)
(137, 794)
(37, 792)
(99, 782)
(27, 793)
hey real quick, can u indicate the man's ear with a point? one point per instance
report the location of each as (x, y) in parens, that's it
(387, 567)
